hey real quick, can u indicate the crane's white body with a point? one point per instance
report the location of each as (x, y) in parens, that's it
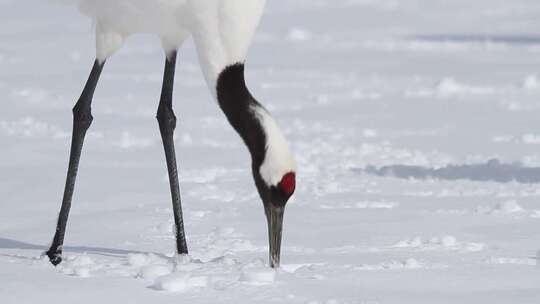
(222, 31)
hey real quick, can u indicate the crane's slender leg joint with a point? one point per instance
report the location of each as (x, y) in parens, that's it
(82, 119)
(167, 125)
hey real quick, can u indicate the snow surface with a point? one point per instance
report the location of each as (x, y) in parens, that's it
(354, 83)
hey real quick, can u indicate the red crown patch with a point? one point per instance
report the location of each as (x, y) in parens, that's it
(288, 183)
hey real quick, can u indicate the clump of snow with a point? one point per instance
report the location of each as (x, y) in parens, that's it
(508, 207)
(531, 139)
(33, 95)
(298, 34)
(505, 208)
(128, 141)
(31, 127)
(449, 87)
(188, 274)
(257, 272)
(369, 133)
(502, 208)
(376, 205)
(412, 264)
(137, 260)
(199, 281)
(409, 263)
(393, 45)
(186, 139)
(292, 268)
(310, 271)
(152, 272)
(81, 260)
(174, 282)
(225, 231)
(142, 259)
(362, 205)
(198, 214)
(236, 245)
(531, 82)
(329, 301)
(82, 272)
(369, 95)
(502, 138)
(531, 160)
(258, 275)
(409, 243)
(149, 266)
(535, 214)
(447, 242)
(446, 88)
(79, 266)
(322, 99)
(513, 106)
(510, 261)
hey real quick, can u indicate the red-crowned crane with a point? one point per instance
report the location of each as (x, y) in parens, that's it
(222, 31)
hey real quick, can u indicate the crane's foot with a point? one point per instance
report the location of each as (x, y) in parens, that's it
(55, 256)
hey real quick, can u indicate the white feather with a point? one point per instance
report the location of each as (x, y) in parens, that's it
(223, 29)
(279, 160)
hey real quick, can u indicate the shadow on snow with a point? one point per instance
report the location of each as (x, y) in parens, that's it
(493, 170)
(481, 38)
(14, 244)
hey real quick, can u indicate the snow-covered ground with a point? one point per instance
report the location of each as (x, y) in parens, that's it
(403, 88)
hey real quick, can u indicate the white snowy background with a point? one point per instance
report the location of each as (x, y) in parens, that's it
(354, 84)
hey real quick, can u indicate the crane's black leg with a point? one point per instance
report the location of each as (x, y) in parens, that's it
(82, 119)
(167, 125)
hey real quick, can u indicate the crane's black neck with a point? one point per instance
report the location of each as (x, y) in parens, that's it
(238, 104)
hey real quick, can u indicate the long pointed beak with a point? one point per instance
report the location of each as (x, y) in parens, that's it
(274, 216)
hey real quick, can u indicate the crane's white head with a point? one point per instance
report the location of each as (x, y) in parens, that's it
(275, 178)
